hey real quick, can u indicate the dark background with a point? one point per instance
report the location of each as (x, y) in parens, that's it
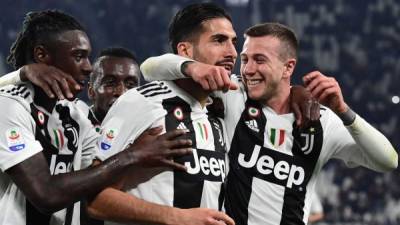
(357, 42)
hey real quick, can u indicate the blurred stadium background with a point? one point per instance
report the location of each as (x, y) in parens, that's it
(356, 41)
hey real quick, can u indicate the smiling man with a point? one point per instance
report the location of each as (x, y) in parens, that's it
(45, 141)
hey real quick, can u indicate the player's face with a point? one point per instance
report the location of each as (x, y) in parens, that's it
(216, 44)
(71, 55)
(114, 76)
(262, 68)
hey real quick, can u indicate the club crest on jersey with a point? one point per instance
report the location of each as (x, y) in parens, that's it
(178, 113)
(15, 140)
(308, 145)
(108, 138)
(41, 118)
(277, 136)
(253, 112)
(58, 138)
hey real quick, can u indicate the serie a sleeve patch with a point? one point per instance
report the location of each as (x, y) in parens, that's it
(15, 141)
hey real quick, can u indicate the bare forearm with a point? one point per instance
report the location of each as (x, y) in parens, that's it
(114, 205)
(33, 178)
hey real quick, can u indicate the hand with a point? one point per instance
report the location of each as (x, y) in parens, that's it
(53, 81)
(304, 106)
(202, 216)
(326, 90)
(154, 150)
(210, 77)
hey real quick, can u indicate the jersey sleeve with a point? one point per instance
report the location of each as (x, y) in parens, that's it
(359, 144)
(10, 78)
(130, 115)
(17, 137)
(164, 67)
(89, 145)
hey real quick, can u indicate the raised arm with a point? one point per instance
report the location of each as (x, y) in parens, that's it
(54, 82)
(173, 67)
(376, 148)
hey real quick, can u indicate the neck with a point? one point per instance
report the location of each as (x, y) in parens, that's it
(98, 114)
(43, 100)
(194, 89)
(280, 102)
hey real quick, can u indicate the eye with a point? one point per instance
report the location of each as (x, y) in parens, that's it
(244, 60)
(131, 84)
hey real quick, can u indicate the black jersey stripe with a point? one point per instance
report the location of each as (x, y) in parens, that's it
(158, 93)
(154, 89)
(149, 85)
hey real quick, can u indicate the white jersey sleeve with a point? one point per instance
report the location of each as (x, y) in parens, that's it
(130, 116)
(17, 138)
(164, 67)
(359, 144)
(10, 78)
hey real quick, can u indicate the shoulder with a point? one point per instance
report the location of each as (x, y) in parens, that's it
(153, 89)
(21, 94)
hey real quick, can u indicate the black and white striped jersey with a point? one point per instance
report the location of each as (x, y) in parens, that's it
(273, 165)
(165, 104)
(61, 131)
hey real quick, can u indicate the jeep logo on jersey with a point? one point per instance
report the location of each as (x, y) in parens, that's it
(61, 164)
(209, 164)
(273, 169)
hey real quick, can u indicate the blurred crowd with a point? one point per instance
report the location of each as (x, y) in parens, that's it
(355, 41)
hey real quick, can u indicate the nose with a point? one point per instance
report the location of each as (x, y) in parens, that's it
(231, 50)
(86, 67)
(248, 68)
(119, 89)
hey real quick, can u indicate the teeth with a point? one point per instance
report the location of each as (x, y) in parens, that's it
(253, 82)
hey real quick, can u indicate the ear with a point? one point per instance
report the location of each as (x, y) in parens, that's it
(91, 93)
(185, 49)
(41, 54)
(289, 68)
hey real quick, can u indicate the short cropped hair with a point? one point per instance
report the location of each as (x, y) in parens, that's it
(187, 23)
(285, 34)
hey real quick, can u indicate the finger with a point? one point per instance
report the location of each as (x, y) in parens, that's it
(72, 82)
(174, 134)
(233, 86)
(219, 81)
(316, 93)
(173, 165)
(307, 112)
(327, 92)
(46, 88)
(310, 76)
(65, 88)
(315, 111)
(155, 130)
(225, 79)
(297, 114)
(178, 143)
(223, 217)
(55, 87)
(212, 84)
(205, 85)
(178, 152)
